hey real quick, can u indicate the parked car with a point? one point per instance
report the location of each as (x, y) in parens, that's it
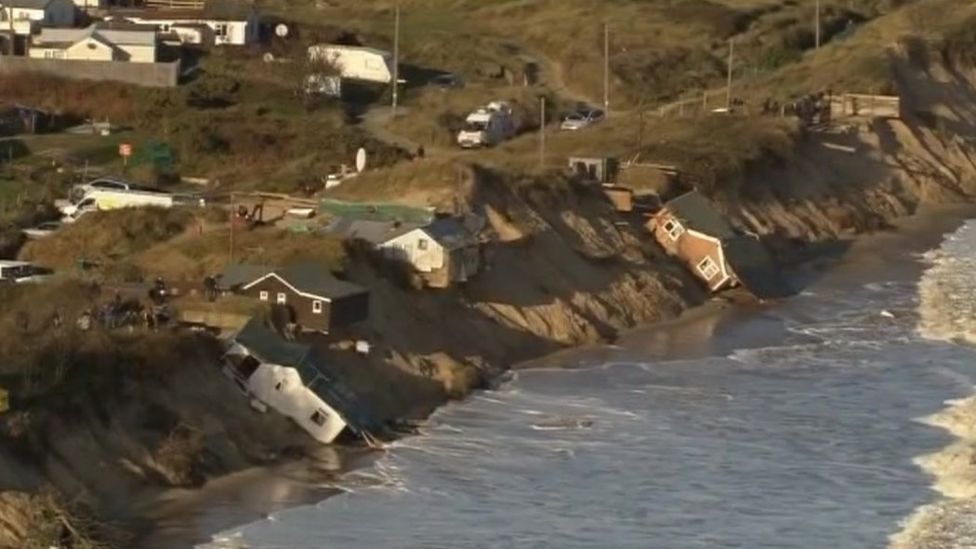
(581, 118)
(21, 272)
(44, 229)
(447, 81)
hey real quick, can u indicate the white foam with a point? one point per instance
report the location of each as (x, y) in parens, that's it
(947, 310)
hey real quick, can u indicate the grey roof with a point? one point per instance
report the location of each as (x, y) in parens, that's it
(450, 233)
(754, 267)
(26, 4)
(217, 10)
(268, 346)
(312, 278)
(239, 274)
(374, 232)
(698, 213)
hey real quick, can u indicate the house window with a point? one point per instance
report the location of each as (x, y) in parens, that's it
(220, 30)
(317, 307)
(422, 244)
(282, 298)
(319, 417)
(708, 268)
(264, 295)
(674, 229)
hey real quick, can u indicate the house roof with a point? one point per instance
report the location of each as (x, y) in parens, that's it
(133, 35)
(450, 233)
(239, 274)
(268, 346)
(27, 4)
(313, 279)
(754, 267)
(213, 10)
(698, 213)
(374, 232)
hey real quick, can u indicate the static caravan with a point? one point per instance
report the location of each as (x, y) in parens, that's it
(285, 376)
(355, 62)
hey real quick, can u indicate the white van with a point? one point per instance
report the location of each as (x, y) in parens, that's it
(487, 126)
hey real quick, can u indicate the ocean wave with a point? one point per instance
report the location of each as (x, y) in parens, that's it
(947, 310)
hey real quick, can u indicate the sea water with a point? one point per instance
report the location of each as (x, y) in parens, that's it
(828, 421)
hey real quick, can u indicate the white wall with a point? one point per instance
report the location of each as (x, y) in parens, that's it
(238, 33)
(407, 248)
(90, 49)
(281, 388)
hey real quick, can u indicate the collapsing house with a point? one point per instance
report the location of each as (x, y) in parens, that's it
(286, 377)
(691, 229)
(443, 252)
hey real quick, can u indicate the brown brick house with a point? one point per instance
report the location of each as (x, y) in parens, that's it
(315, 300)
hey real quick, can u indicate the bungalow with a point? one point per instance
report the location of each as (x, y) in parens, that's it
(286, 377)
(106, 41)
(443, 252)
(27, 15)
(233, 23)
(314, 299)
(690, 228)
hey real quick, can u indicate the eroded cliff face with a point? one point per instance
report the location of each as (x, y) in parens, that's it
(565, 269)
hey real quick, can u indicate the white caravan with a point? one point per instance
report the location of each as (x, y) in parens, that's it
(487, 126)
(355, 62)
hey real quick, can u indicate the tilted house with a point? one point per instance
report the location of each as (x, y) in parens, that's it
(444, 251)
(315, 300)
(287, 377)
(691, 229)
(105, 41)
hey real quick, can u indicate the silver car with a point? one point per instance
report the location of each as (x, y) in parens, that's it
(581, 119)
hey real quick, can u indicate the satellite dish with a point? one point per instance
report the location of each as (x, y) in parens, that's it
(360, 160)
(268, 57)
(282, 30)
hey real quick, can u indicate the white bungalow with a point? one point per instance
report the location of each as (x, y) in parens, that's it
(283, 375)
(443, 252)
(98, 42)
(222, 22)
(28, 15)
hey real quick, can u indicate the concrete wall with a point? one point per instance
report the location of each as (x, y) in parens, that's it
(156, 75)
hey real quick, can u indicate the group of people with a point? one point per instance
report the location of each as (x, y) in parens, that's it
(120, 313)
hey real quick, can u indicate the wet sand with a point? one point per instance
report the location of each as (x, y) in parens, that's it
(186, 517)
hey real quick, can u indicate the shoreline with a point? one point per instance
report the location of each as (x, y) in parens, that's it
(180, 517)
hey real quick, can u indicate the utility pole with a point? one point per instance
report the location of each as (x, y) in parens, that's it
(396, 57)
(728, 85)
(542, 132)
(606, 69)
(816, 23)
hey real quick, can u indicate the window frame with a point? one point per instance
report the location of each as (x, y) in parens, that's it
(281, 298)
(708, 265)
(676, 229)
(263, 295)
(317, 307)
(319, 412)
(422, 244)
